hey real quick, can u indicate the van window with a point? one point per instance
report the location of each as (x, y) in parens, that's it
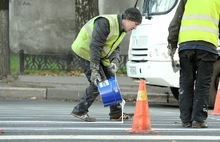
(156, 7)
(160, 6)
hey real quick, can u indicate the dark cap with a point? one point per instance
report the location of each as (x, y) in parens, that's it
(132, 14)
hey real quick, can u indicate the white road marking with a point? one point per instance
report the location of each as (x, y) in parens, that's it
(79, 122)
(103, 129)
(102, 137)
(108, 137)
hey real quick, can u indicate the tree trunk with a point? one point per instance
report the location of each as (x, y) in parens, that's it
(85, 10)
(4, 39)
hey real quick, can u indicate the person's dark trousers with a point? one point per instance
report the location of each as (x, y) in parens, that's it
(195, 77)
(91, 92)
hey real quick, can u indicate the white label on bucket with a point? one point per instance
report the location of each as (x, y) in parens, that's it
(104, 83)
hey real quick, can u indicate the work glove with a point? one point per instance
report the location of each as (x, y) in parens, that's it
(171, 50)
(95, 77)
(114, 65)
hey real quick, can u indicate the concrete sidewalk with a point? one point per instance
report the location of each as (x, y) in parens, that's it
(70, 88)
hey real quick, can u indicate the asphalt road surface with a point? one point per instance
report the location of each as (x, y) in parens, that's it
(50, 121)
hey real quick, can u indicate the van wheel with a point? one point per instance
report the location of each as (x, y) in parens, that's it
(175, 92)
(214, 83)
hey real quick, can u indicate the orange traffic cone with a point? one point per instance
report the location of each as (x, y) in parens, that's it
(141, 122)
(1, 131)
(217, 102)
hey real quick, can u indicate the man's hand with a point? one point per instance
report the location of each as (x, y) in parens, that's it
(171, 50)
(114, 65)
(95, 77)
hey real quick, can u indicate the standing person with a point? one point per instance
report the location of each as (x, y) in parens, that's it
(97, 50)
(195, 27)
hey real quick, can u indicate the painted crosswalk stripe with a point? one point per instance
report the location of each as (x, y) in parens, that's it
(107, 137)
(104, 129)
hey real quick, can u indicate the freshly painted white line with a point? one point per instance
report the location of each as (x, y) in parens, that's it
(108, 137)
(55, 122)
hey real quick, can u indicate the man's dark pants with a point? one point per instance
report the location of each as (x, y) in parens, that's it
(91, 92)
(195, 77)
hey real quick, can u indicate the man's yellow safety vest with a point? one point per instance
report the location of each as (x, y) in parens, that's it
(81, 45)
(200, 24)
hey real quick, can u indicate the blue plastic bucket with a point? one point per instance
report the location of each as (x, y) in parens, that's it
(110, 92)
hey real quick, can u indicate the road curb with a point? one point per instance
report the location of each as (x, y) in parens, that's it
(22, 93)
(67, 94)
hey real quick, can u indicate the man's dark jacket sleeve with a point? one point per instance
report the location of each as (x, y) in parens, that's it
(175, 24)
(99, 35)
(115, 54)
(219, 30)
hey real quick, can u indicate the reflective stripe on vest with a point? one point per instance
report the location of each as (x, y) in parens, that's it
(200, 28)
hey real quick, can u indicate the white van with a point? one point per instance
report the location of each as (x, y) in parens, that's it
(147, 54)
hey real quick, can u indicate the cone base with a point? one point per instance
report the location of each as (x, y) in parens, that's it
(1, 131)
(132, 131)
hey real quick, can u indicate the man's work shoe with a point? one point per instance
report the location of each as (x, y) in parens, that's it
(118, 117)
(84, 117)
(199, 124)
(187, 125)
